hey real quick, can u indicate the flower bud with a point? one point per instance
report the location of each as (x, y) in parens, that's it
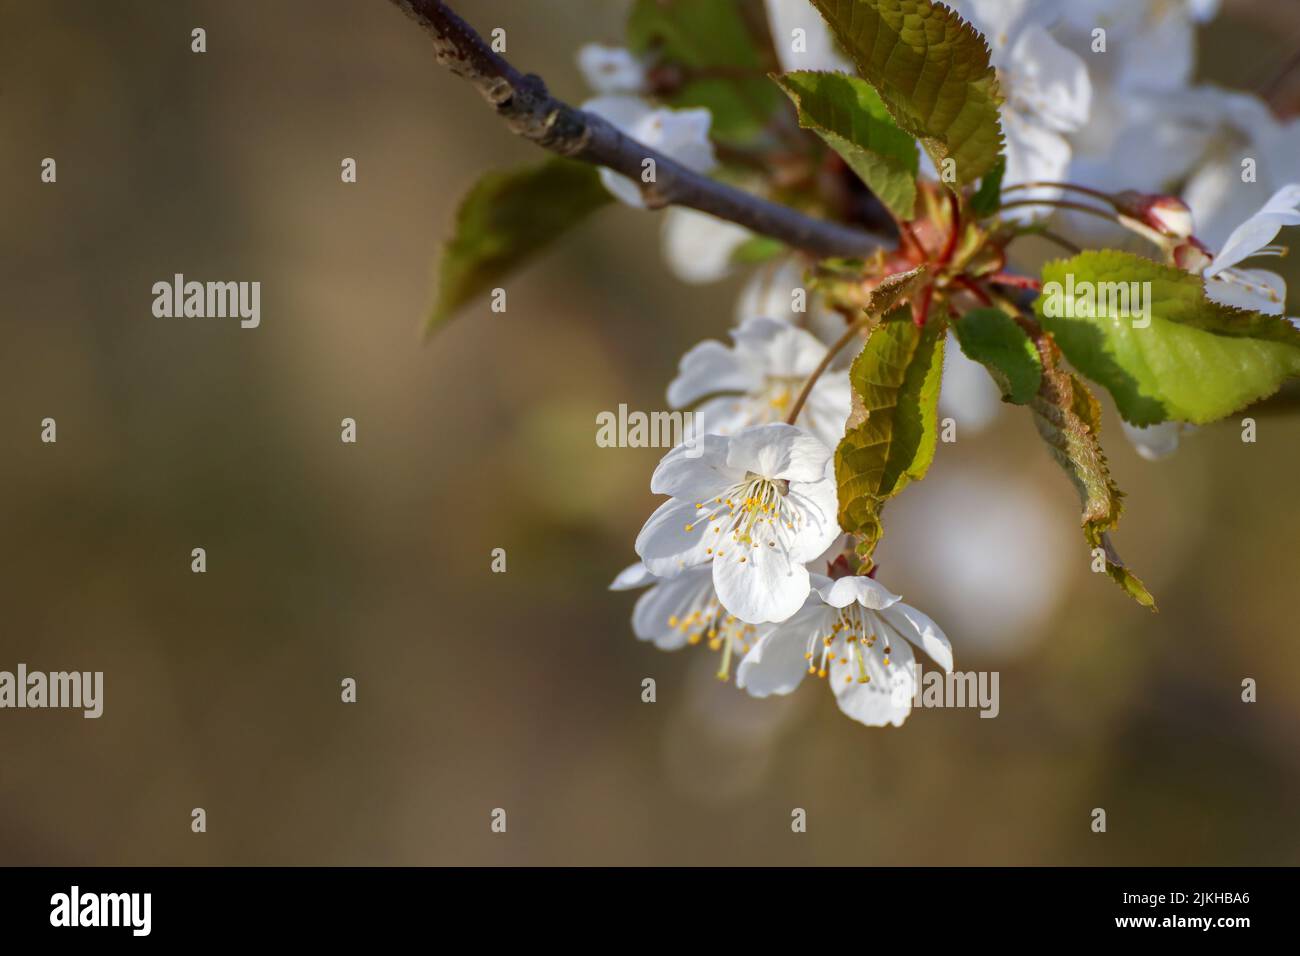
(1167, 215)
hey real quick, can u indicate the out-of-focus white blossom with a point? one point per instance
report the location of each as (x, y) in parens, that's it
(757, 380)
(682, 135)
(802, 39)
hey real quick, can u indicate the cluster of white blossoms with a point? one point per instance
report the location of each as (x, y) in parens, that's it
(746, 555)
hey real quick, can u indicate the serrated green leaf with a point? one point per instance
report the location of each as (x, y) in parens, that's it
(1069, 420)
(506, 217)
(932, 70)
(848, 114)
(996, 341)
(718, 55)
(988, 197)
(1196, 361)
(892, 430)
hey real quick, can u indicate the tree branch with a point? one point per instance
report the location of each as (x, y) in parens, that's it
(523, 102)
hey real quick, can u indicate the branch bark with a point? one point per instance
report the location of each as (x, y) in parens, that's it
(528, 109)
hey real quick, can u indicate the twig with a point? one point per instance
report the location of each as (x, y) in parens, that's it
(855, 328)
(522, 101)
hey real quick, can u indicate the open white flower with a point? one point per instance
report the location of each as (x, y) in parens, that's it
(685, 610)
(682, 135)
(1256, 289)
(1227, 283)
(755, 506)
(767, 366)
(859, 634)
(611, 69)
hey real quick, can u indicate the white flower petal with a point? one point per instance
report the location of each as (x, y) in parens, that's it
(887, 697)
(699, 247)
(665, 545)
(671, 601)
(1256, 289)
(827, 410)
(817, 52)
(680, 134)
(767, 587)
(632, 577)
(724, 415)
(695, 474)
(610, 69)
(708, 368)
(778, 450)
(921, 631)
(776, 663)
(817, 504)
(1034, 153)
(1051, 80)
(781, 349)
(864, 590)
(1283, 209)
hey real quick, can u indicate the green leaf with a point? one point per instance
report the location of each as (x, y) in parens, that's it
(718, 56)
(996, 341)
(1196, 360)
(504, 219)
(848, 114)
(988, 197)
(932, 70)
(1069, 419)
(892, 429)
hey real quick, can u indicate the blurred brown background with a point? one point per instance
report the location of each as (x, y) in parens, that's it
(521, 690)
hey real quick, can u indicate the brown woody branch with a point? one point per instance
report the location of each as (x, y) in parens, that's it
(528, 109)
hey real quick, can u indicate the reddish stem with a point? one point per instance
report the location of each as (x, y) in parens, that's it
(971, 286)
(1015, 281)
(921, 307)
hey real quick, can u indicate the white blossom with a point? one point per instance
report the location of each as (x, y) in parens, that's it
(611, 69)
(755, 506)
(682, 135)
(760, 377)
(858, 634)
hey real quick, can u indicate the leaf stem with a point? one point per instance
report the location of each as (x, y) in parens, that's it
(1073, 187)
(1060, 204)
(1053, 237)
(849, 333)
(854, 328)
